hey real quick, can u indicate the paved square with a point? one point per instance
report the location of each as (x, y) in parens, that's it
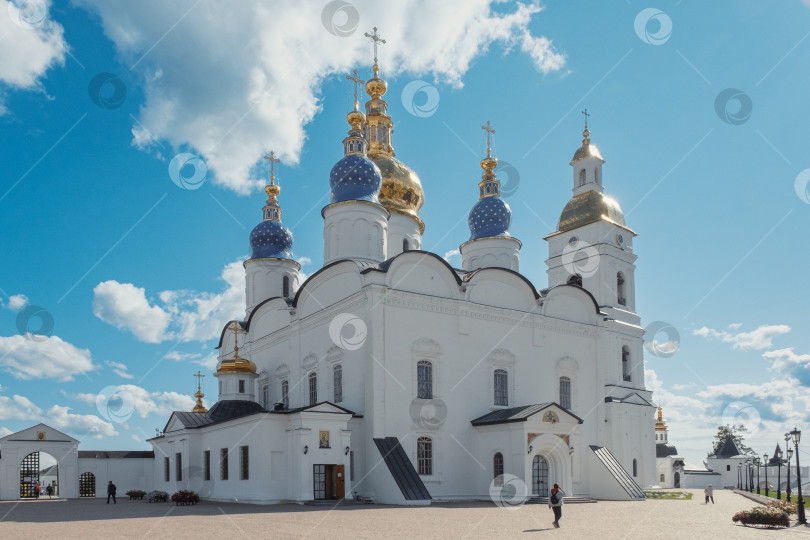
(92, 518)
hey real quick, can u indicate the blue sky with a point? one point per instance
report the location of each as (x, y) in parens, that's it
(139, 274)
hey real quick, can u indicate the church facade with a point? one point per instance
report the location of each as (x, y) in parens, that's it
(390, 375)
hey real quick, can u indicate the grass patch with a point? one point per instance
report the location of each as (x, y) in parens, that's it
(678, 495)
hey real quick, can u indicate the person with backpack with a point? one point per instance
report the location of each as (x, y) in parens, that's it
(555, 502)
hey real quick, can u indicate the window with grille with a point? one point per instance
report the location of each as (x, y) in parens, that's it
(497, 468)
(635, 467)
(620, 292)
(337, 380)
(626, 364)
(565, 393)
(313, 388)
(424, 379)
(265, 396)
(285, 394)
(223, 464)
(241, 386)
(207, 460)
(178, 463)
(87, 485)
(285, 287)
(424, 456)
(501, 387)
(166, 470)
(351, 465)
(244, 463)
(405, 245)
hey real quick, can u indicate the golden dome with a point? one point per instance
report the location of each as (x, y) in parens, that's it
(590, 207)
(660, 425)
(587, 150)
(236, 365)
(376, 86)
(401, 190)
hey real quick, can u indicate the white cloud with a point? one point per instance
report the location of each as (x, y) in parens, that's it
(786, 359)
(83, 424)
(144, 402)
(120, 369)
(29, 50)
(253, 79)
(5, 431)
(35, 357)
(125, 306)
(183, 315)
(209, 362)
(304, 261)
(734, 326)
(17, 302)
(451, 254)
(761, 338)
(135, 437)
(178, 356)
(18, 407)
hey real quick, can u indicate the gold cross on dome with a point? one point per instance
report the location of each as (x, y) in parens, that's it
(199, 376)
(586, 114)
(489, 131)
(236, 329)
(273, 160)
(375, 37)
(357, 81)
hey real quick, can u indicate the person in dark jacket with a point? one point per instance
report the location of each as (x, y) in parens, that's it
(555, 502)
(111, 492)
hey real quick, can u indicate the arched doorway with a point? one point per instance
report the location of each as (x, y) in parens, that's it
(87, 484)
(540, 476)
(38, 468)
(677, 479)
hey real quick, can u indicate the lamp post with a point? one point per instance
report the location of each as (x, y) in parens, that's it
(778, 456)
(751, 472)
(739, 475)
(759, 465)
(747, 468)
(797, 435)
(765, 463)
(787, 486)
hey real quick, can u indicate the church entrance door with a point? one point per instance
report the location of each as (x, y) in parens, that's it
(326, 482)
(540, 476)
(677, 480)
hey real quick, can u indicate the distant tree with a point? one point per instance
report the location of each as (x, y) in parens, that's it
(736, 433)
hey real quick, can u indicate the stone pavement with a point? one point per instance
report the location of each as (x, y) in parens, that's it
(92, 518)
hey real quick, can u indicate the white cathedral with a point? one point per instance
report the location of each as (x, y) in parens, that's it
(391, 375)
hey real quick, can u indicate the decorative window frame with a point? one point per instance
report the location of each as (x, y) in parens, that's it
(282, 372)
(435, 477)
(430, 350)
(505, 360)
(309, 365)
(334, 356)
(568, 367)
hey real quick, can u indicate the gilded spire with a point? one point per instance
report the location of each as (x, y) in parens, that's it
(355, 143)
(585, 133)
(587, 150)
(489, 186)
(272, 210)
(199, 407)
(660, 425)
(378, 126)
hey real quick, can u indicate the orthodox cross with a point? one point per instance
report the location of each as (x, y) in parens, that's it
(375, 37)
(356, 80)
(586, 114)
(273, 160)
(237, 329)
(489, 131)
(199, 379)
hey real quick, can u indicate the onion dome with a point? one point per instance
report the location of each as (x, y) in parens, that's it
(355, 177)
(199, 407)
(490, 216)
(401, 191)
(271, 238)
(587, 150)
(660, 424)
(590, 207)
(236, 364)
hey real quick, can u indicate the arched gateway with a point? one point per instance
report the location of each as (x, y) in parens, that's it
(39, 454)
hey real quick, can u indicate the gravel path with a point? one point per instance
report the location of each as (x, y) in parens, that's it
(92, 518)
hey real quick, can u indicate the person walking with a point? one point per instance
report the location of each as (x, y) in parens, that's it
(555, 502)
(49, 491)
(37, 491)
(709, 493)
(111, 492)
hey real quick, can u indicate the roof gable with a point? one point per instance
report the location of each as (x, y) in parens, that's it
(728, 449)
(33, 434)
(547, 412)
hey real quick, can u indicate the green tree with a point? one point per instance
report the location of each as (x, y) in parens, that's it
(736, 433)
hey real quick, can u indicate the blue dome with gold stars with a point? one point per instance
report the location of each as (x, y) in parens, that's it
(490, 216)
(271, 239)
(355, 178)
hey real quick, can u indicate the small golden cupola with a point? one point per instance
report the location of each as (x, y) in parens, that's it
(199, 407)
(236, 364)
(660, 425)
(401, 191)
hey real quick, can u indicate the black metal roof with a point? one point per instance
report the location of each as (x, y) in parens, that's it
(728, 449)
(229, 409)
(517, 414)
(116, 454)
(401, 468)
(665, 450)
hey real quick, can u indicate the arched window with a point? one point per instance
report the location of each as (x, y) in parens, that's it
(565, 393)
(662, 478)
(501, 388)
(313, 388)
(635, 467)
(497, 468)
(626, 363)
(620, 292)
(337, 382)
(424, 456)
(424, 379)
(285, 394)
(582, 177)
(285, 287)
(405, 246)
(596, 174)
(575, 279)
